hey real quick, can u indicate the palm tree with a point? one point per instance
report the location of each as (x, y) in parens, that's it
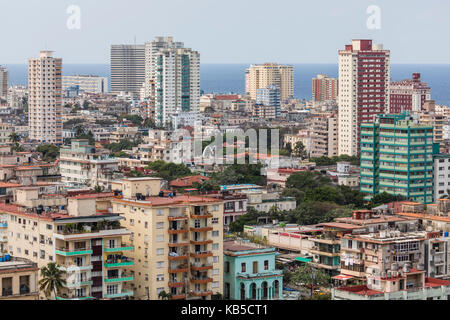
(14, 137)
(164, 295)
(51, 279)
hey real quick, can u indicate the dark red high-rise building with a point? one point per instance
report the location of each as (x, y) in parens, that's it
(364, 75)
(408, 95)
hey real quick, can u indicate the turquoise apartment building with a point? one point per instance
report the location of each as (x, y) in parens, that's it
(249, 272)
(397, 158)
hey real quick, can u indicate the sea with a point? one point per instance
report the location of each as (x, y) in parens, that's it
(229, 78)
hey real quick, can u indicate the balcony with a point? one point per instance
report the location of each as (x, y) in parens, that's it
(202, 254)
(177, 217)
(321, 252)
(201, 229)
(73, 297)
(206, 215)
(117, 248)
(201, 293)
(119, 295)
(177, 231)
(177, 284)
(3, 224)
(73, 252)
(75, 268)
(78, 283)
(178, 244)
(201, 280)
(201, 241)
(121, 278)
(267, 273)
(123, 262)
(196, 266)
(179, 268)
(174, 256)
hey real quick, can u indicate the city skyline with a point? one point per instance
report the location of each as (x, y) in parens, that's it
(286, 40)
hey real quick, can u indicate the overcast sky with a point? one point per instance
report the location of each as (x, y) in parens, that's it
(226, 31)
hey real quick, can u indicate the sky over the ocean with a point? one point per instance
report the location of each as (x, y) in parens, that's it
(231, 31)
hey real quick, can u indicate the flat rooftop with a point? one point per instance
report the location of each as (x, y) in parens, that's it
(17, 263)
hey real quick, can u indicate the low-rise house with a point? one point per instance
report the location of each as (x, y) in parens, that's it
(250, 273)
(408, 284)
(84, 165)
(18, 278)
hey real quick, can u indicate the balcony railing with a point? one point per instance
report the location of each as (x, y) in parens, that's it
(176, 268)
(121, 278)
(201, 254)
(201, 241)
(119, 248)
(74, 251)
(124, 261)
(197, 266)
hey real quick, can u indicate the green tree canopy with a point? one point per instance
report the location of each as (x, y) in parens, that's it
(306, 180)
(311, 277)
(169, 171)
(50, 152)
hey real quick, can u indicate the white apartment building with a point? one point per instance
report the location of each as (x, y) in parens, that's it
(3, 82)
(441, 175)
(88, 84)
(151, 50)
(5, 131)
(364, 75)
(82, 165)
(127, 68)
(173, 76)
(45, 98)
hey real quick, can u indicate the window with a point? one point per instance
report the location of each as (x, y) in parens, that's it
(112, 289)
(49, 227)
(160, 277)
(215, 284)
(146, 225)
(160, 264)
(131, 222)
(159, 290)
(215, 246)
(215, 220)
(160, 212)
(266, 264)
(243, 269)
(160, 225)
(227, 266)
(215, 272)
(42, 255)
(215, 259)
(160, 252)
(215, 233)
(160, 238)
